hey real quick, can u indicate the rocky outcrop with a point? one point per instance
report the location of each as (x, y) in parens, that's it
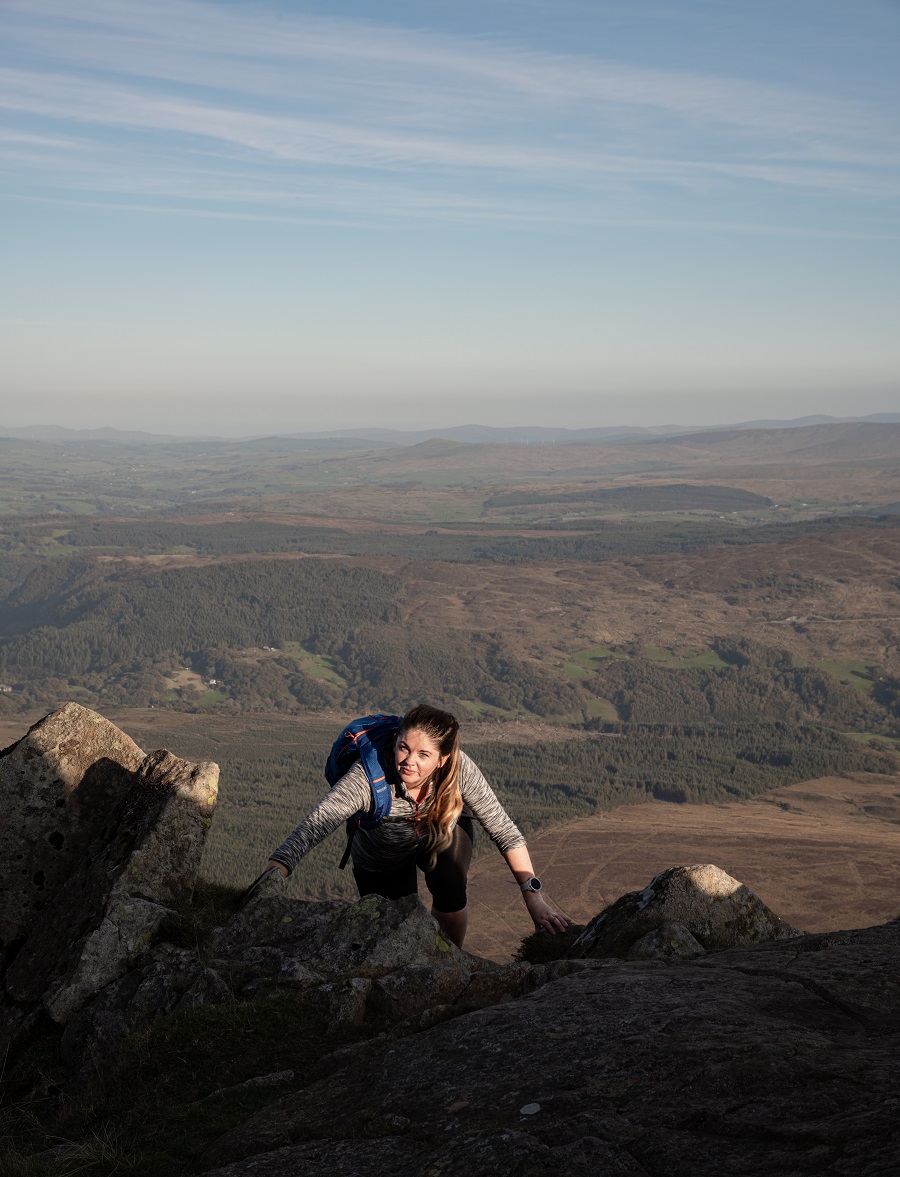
(689, 1031)
(701, 909)
(85, 941)
(56, 787)
(98, 839)
(370, 962)
(401, 967)
(779, 1059)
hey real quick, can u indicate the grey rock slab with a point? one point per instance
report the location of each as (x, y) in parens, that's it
(491, 987)
(123, 935)
(670, 941)
(369, 938)
(271, 920)
(717, 910)
(272, 1079)
(845, 969)
(345, 1002)
(733, 1065)
(410, 991)
(387, 1152)
(172, 979)
(376, 936)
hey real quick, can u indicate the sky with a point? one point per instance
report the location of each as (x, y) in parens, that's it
(243, 217)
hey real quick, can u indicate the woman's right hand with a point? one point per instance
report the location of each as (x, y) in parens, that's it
(280, 865)
(544, 914)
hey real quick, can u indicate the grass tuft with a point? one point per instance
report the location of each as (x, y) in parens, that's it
(541, 947)
(194, 918)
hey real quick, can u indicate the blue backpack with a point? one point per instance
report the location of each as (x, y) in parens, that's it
(368, 739)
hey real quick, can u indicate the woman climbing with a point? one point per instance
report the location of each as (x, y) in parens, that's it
(435, 790)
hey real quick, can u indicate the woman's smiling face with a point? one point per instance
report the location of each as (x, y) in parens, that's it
(416, 756)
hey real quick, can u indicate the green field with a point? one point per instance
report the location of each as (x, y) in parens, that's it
(851, 671)
(319, 666)
(583, 663)
(683, 659)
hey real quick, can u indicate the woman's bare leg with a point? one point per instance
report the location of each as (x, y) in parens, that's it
(453, 924)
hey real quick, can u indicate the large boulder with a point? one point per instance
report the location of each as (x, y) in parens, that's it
(371, 962)
(98, 840)
(167, 979)
(56, 786)
(713, 912)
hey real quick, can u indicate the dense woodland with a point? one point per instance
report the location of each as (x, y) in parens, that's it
(759, 683)
(295, 635)
(73, 618)
(453, 542)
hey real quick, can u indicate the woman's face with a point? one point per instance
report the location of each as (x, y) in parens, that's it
(417, 756)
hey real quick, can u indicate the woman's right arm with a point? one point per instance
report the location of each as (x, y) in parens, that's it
(351, 794)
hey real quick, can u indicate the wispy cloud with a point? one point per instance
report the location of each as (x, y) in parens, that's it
(251, 111)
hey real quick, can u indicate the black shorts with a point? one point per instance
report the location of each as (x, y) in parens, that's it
(446, 882)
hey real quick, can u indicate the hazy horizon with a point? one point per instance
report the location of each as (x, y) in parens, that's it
(227, 433)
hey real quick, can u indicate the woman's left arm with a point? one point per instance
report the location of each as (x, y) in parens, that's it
(482, 799)
(544, 913)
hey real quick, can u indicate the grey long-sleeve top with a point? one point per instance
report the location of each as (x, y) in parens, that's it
(398, 838)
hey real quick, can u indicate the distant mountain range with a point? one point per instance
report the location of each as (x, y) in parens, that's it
(384, 438)
(59, 433)
(552, 435)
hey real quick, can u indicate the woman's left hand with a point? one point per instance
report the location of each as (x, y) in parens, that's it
(544, 914)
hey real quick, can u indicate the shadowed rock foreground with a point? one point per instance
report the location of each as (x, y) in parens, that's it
(781, 1059)
(96, 840)
(689, 1030)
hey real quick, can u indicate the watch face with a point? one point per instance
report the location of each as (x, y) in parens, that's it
(533, 884)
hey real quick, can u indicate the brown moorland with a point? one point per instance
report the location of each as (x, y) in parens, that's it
(847, 603)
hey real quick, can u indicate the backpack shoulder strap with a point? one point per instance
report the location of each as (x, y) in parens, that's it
(364, 739)
(381, 790)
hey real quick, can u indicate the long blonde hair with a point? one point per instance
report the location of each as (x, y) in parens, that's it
(443, 730)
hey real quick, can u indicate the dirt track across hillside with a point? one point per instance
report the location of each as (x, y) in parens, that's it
(822, 854)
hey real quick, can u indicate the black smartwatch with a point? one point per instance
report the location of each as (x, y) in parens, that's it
(531, 885)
